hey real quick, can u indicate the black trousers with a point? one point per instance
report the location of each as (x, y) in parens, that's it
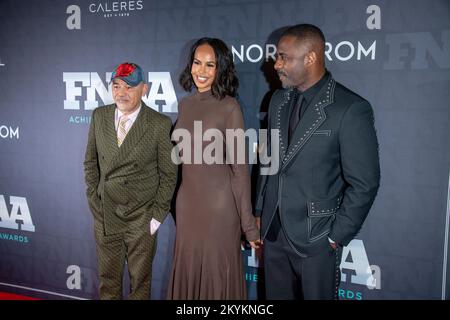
(289, 276)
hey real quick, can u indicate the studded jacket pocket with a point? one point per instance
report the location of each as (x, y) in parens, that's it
(321, 215)
(325, 133)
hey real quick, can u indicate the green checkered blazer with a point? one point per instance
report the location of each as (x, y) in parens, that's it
(128, 186)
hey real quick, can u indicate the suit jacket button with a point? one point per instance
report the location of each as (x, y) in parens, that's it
(125, 182)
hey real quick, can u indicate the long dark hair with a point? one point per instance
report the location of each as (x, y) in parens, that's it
(226, 81)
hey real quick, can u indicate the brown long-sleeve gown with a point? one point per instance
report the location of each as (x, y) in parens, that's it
(212, 207)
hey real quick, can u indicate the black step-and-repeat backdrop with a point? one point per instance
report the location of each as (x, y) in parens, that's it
(55, 63)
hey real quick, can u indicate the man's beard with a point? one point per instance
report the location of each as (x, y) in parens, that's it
(285, 85)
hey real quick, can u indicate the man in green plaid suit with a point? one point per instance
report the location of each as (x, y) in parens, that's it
(130, 182)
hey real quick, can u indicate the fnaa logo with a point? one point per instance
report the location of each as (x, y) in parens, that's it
(87, 91)
(17, 218)
(356, 270)
(355, 265)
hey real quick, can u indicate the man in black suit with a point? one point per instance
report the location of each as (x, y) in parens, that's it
(329, 171)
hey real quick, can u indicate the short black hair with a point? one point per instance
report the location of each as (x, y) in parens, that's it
(226, 81)
(306, 32)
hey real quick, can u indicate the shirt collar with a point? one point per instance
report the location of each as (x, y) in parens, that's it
(132, 116)
(309, 93)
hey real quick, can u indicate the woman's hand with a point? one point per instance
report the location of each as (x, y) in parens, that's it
(255, 244)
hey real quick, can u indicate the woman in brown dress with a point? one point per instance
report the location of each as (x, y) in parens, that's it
(213, 205)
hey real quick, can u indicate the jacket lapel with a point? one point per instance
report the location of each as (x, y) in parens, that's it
(282, 117)
(310, 121)
(132, 138)
(135, 133)
(109, 131)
